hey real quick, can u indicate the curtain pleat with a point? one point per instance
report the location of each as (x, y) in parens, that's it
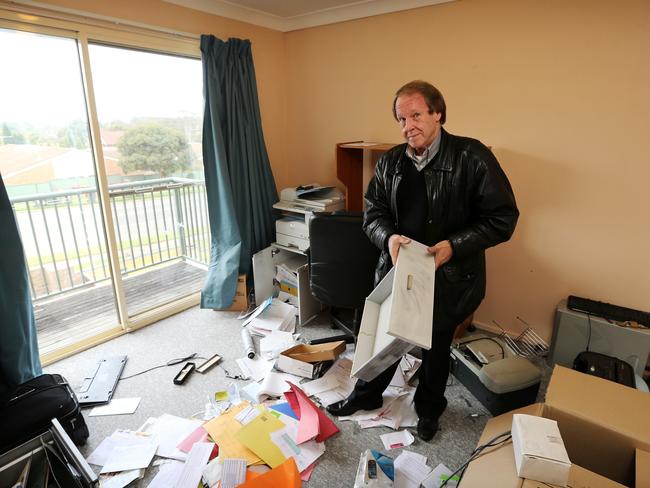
(239, 183)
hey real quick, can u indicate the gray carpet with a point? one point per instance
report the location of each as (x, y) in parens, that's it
(207, 332)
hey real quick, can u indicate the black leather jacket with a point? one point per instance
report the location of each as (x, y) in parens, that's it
(471, 204)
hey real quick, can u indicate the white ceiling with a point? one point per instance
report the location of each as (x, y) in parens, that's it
(288, 15)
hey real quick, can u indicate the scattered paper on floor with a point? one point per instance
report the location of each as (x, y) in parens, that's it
(410, 469)
(197, 459)
(125, 458)
(394, 440)
(117, 406)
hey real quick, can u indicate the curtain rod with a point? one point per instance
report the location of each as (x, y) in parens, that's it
(64, 13)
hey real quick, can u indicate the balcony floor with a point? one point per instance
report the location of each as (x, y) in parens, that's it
(79, 314)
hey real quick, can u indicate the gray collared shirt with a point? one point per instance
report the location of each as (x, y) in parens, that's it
(429, 153)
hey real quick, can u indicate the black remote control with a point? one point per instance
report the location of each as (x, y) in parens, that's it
(184, 373)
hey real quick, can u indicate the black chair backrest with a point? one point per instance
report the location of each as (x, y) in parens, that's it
(342, 259)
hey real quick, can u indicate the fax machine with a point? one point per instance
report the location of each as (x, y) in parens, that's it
(297, 205)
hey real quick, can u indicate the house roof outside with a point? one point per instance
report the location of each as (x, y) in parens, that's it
(28, 164)
(111, 137)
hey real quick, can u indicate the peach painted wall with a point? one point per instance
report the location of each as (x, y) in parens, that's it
(559, 89)
(268, 56)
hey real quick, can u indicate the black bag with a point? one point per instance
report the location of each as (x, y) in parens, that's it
(604, 366)
(28, 410)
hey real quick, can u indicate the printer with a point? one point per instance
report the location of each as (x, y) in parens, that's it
(306, 199)
(297, 205)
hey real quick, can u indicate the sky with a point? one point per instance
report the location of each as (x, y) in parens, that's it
(41, 82)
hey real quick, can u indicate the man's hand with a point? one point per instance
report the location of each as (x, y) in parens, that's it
(394, 242)
(441, 251)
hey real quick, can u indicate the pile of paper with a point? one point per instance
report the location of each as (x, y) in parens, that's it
(288, 437)
(272, 315)
(249, 438)
(397, 409)
(335, 385)
(295, 429)
(125, 455)
(286, 274)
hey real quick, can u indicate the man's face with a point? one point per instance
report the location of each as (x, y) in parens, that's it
(419, 127)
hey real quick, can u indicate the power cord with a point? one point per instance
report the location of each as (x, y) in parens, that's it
(477, 452)
(171, 362)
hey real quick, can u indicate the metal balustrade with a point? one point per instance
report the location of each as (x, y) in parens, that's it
(156, 221)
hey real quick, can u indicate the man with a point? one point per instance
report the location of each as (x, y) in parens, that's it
(449, 193)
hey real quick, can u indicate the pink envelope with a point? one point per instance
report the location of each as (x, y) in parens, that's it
(305, 474)
(313, 423)
(199, 435)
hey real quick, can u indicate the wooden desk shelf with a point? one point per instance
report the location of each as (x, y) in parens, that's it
(349, 168)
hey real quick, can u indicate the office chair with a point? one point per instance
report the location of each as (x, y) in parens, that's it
(342, 263)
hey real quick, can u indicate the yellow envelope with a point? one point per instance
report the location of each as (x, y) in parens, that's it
(255, 435)
(223, 428)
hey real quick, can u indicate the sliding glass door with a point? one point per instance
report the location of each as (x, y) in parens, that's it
(149, 107)
(47, 165)
(100, 151)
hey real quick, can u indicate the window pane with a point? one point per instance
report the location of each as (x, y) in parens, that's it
(150, 112)
(49, 172)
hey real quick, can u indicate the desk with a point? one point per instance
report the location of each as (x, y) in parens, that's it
(350, 157)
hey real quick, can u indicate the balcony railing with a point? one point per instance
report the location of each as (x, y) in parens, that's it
(156, 221)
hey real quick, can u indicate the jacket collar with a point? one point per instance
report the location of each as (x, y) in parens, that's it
(441, 162)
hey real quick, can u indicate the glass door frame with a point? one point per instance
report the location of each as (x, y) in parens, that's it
(57, 24)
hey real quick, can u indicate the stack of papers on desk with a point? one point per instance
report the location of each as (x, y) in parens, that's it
(286, 272)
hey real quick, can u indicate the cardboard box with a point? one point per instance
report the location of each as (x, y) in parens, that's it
(398, 314)
(642, 468)
(303, 359)
(240, 302)
(578, 478)
(539, 451)
(602, 424)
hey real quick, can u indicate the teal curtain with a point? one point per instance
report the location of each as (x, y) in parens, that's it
(239, 183)
(19, 359)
